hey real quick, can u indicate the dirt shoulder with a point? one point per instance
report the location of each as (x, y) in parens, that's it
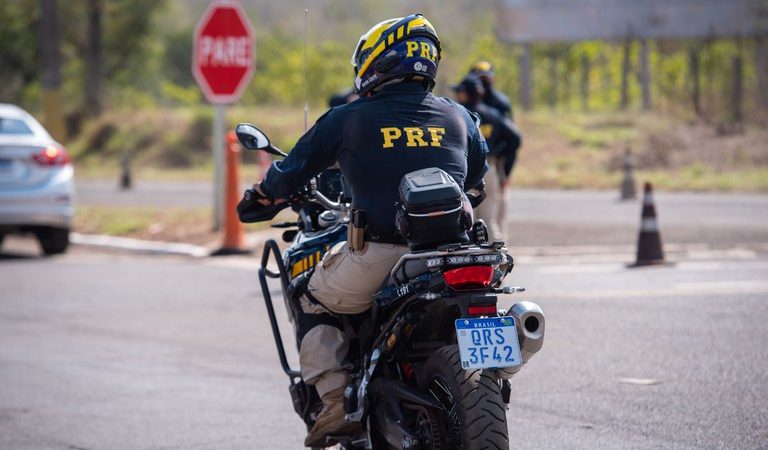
(587, 151)
(187, 225)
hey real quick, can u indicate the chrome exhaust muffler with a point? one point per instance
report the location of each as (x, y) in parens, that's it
(529, 320)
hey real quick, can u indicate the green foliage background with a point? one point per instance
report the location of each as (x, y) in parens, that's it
(154, 111)
(148, 44)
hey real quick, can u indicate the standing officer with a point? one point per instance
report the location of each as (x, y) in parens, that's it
(342, 98)
(396, 126)
(503, 142)
(493, 98)
(500, 102)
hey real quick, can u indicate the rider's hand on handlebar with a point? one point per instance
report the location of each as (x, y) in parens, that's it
(263, 199)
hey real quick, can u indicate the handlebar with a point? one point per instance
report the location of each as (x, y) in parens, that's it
(328, 203)
(309, 197)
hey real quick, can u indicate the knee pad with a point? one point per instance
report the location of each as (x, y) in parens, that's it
(306, 322)
(298, 286)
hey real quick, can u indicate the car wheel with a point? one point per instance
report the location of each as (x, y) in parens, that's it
(53, 240)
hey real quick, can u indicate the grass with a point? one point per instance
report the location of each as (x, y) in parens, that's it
(699, 177)
(191, 225)
(586, 151)
(131, 220)
(596, 136)
(114, 221)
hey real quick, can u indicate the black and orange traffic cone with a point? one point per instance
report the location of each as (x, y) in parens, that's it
(234, 238)
(649, 248)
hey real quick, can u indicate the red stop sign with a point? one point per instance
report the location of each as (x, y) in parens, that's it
(223, 53)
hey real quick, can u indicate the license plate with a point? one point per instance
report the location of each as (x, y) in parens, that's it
(488, 343)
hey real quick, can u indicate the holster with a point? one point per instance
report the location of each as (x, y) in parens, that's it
(356, 230)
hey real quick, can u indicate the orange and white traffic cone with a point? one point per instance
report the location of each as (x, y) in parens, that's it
(234, 238)
(649, 251)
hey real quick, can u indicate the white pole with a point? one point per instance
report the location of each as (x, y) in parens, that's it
(218, 160)
(306, 69)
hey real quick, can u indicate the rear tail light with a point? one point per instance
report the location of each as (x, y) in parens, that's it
(469, 278)
(408, 370)
(51, 156)
(482, 310)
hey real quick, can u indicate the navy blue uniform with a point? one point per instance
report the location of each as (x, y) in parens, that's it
(378, 139)
(501, 134)
(497, 101)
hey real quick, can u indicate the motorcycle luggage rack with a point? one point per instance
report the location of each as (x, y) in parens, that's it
(271, 248)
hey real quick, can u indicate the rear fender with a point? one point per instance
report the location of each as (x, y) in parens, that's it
(425, 326)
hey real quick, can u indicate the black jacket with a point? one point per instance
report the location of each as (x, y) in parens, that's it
(501, 134)
(378, 139)
(497, 101)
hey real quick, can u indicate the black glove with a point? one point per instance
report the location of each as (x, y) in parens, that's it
(476, 198)
(250, 210)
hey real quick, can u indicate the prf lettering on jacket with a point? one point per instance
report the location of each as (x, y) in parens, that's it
(413, 136)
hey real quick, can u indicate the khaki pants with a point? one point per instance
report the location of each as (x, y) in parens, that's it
(343, 282)
(493, 209)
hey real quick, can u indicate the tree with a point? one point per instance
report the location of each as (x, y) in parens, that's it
(93, 59)
(18, 48)
(50, 64)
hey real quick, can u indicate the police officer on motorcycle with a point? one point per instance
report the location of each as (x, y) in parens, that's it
(503, 141)
(396, 126)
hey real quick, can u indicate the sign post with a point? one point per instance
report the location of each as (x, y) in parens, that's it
(222, 63)
(219, 115)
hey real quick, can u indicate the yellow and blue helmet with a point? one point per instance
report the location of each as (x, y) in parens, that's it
(396, 48)
(482, 68)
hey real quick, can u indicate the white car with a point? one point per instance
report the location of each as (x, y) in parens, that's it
(36, 181)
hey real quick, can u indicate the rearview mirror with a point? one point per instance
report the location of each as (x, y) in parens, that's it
(251, 137)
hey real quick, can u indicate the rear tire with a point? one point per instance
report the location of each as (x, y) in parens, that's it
(474, 416)
(53, 241)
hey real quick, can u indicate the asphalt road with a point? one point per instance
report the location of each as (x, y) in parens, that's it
(144, 193)
(537, 217)
(114, 351)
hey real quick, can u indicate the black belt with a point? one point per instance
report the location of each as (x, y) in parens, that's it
(384, 236)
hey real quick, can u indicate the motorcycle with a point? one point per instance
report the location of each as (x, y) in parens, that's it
(433, 357)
